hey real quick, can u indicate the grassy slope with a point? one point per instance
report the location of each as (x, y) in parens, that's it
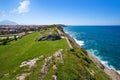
(76, 64)
(76, 68)
(14, 53)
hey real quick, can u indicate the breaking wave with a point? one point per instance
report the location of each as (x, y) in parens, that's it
(80, 43)
(74, 36)
(106, 63)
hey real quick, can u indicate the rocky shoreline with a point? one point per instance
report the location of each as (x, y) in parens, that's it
(110, 72)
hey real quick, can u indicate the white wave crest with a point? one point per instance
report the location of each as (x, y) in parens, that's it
(106, 63)
(74, 36)
(80, 43)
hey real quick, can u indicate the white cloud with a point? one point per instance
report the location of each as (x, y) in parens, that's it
(23, 7)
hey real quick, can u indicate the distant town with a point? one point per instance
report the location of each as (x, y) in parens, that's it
(13, 32)
(14, 29)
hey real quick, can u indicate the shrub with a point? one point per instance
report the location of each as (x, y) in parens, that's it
(4, 42)
(15, 37)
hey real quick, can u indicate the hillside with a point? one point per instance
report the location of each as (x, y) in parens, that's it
(43, 56)
(7, 22)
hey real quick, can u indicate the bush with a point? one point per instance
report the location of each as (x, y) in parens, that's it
(15, 37)
(72, 50)
(4, 42)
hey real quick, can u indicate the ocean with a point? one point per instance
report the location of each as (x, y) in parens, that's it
(101, 41)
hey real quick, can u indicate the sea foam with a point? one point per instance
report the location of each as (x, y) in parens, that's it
(106, 63)
(80, 43)
(74, 36)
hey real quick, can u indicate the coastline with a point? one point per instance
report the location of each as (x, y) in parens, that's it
(81, 43)
(114, 75)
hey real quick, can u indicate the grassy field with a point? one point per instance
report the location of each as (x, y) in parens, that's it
(77, 65)
(15, 52)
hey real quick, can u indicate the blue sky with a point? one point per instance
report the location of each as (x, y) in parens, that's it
(71, 12)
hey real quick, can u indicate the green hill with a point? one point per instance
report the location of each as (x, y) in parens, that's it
(31, 59)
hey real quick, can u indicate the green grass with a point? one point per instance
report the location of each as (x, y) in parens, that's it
(15, 52)
(77, 65)
(75, 68)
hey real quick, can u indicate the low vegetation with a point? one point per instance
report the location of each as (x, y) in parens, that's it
(58, 61)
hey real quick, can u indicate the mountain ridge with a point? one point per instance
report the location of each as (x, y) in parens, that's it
(8, 22)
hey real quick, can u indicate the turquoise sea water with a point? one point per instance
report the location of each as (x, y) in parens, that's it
(102, 41)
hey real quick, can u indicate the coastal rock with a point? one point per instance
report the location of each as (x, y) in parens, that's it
(23, 76)
(111, 73)
(31, 63)
(54, 77)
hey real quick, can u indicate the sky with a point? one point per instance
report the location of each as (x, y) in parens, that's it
(69, 12)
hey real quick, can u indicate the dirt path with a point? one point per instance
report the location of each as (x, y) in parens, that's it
(69, 43)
